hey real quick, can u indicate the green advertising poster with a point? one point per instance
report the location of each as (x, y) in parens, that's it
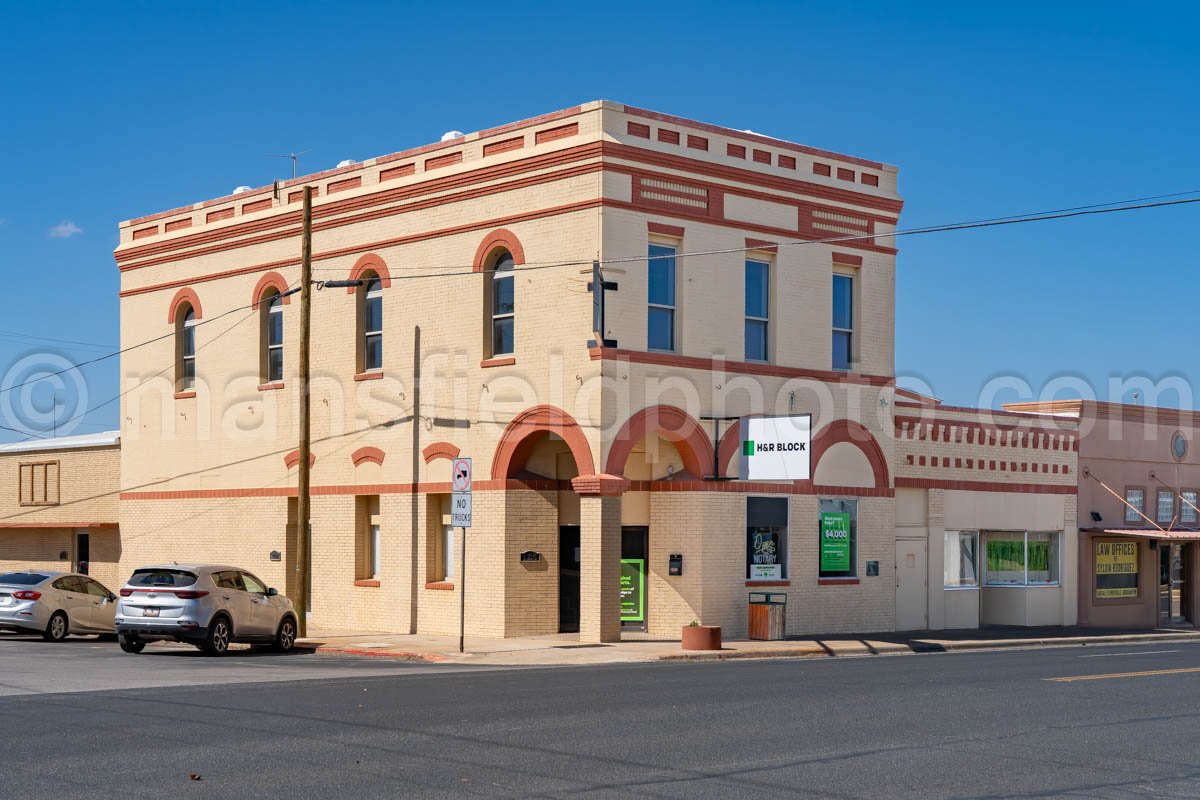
(835, 542)
(633, 590)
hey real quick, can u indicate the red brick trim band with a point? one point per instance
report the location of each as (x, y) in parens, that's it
(600, 485)
(663, 229)
(501, 238)
(367, 454)
(369, 263)
(768, 583)
(741, 367)
(42, 525)
(188, 296)
(984, 486)
(293, 458)
(440, 450)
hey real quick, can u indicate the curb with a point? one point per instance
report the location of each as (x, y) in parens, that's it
(392, 654)
(892, 648)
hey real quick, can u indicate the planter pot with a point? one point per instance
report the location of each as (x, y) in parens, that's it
(701, 637)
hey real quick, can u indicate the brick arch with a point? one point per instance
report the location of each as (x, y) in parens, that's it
(271, 280)
(440, 450)
(499, 238)
(836, 432)
(184, 295)
(369, 263)
(293, 458)
(367, 455)
(531, 426)
(674, 425)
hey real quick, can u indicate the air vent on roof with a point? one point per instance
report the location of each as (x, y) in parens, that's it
(241, 189)
(347, 162)
(450, 135)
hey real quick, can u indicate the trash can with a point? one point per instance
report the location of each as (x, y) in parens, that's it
(767, 615)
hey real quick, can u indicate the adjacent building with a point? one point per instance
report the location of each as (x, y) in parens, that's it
(59, 510)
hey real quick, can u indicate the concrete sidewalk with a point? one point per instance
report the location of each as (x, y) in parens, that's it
(566, 649)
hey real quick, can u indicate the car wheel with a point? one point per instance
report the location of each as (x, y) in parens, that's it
(131, 644)
(56, 628)
(285, 638)
(216, 642)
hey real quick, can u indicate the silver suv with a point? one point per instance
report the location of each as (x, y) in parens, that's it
(207, 605)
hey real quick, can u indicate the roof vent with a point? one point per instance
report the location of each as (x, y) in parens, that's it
(241, 189)
(450, 135)
(347, 162)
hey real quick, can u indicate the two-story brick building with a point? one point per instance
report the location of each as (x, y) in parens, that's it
(755, 277)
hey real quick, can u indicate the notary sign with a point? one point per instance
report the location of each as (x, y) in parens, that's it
(776, 448)
(1116, 569)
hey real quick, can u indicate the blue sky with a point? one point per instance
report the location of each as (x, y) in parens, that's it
(117, 110)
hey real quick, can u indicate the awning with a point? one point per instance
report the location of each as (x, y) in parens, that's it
(1176, 535)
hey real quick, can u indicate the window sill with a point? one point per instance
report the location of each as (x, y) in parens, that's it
(768, 583)
(502, 361)
(185, 395)
(961, 588)
(370, 583)
(442, 585)
(373, 375)
(267, 387)
(837, 581)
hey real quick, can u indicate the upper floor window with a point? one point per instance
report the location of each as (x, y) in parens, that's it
(758, 274)
(1187, 508)
(1135, 504)
(272, 337)
(1166, 505)
(660, 328)
(370, 315)
(502, 304)
(185, 350)
(38, 483)
(843, 321)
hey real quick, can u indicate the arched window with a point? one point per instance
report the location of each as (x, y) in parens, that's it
(185, 349)
(370, 324)
(271, 352)
(501, 304)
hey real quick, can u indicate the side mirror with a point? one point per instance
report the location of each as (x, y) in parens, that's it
(271, 592)
(112, 598)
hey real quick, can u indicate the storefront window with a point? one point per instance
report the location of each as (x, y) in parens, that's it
(1116, 570)
(961, 559)
(838, 544)
(1017, 558)
(766, 538)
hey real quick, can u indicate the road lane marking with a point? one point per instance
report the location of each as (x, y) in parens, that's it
(1139, 653)
(1144, 674)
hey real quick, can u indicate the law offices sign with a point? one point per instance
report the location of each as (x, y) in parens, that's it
(776, 448)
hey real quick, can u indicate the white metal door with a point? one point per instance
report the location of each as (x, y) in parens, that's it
(912, 585)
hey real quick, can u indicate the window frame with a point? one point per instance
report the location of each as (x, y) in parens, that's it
(270, 305)
(672, 309)
(185, 348)
(368, 538)
(1187, 514)
(1057, 539)
(852, 573)
(32, 482)
(751, 320)
(974, 585)
(495, 317)
(849, 333)
(1130, 515)
(1158, 505)
(370, 290)
(784, 538)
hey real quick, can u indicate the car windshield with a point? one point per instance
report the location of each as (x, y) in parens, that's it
(162, 577)
(22, 578)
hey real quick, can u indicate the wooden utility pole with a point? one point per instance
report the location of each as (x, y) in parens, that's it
(303, 504)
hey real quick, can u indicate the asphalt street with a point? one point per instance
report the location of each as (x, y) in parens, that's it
(1109, 722)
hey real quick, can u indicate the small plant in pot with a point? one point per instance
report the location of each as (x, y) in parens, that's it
(701, 637)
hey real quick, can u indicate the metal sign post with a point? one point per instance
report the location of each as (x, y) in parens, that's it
(460, 516)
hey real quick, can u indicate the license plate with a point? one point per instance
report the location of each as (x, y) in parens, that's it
(149, 612)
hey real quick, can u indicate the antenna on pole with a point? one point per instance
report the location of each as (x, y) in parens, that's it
(295, 157)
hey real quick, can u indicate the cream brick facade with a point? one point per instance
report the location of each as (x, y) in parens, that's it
(74, 506)
(563, 434)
